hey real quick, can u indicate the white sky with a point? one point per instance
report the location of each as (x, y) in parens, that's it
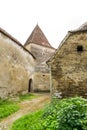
(55, 17)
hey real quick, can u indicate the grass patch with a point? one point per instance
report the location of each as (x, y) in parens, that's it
(29, 122)
(26, 97)
(64, 114)
(9, 106)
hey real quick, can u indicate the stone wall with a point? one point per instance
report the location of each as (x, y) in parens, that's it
(42, 54)
(69, 66)
(41, 82)
(41, 76)
(16, 66)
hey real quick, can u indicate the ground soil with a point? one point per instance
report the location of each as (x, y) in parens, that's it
(25, 108)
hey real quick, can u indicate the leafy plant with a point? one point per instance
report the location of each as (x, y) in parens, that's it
(66, 114)
(63, 114)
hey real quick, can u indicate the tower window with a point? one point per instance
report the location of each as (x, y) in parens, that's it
(79, 48)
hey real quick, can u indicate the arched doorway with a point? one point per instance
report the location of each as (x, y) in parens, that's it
(30, 85)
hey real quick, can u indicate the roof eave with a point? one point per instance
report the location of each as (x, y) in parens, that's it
(39, 45)
(78, 31)
(15, 40)
(62, 42)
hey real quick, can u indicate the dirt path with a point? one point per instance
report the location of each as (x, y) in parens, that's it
(26, 107)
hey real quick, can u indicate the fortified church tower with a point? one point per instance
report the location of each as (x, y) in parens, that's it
(39, 46)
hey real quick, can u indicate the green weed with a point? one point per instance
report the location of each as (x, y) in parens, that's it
(29, 122)
(9, 106)
(26, 97)
(66, 114)
(63, 114)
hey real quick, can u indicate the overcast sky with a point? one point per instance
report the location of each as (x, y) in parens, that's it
(55, 17)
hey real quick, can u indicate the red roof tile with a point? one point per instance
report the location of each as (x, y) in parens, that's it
(38, 37)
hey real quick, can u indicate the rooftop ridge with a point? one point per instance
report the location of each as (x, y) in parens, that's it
(82, 28)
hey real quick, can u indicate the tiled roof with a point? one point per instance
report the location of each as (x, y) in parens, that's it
(15, 40)
(38, 37)
(82, 28)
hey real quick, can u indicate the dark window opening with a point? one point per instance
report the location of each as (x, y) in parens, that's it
(30, 87)
(80, 48)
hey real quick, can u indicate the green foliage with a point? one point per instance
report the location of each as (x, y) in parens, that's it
(66, 114)
(29, 122)
(7, 108)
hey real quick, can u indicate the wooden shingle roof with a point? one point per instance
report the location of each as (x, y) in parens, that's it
(38, 37)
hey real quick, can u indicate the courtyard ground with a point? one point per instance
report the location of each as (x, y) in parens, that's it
(25, 108)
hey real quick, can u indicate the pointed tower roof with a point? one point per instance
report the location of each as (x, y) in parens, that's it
(38, 37)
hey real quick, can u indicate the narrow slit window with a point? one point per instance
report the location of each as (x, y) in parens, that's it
(79, 48)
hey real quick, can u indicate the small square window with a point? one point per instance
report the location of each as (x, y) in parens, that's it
(79, 48)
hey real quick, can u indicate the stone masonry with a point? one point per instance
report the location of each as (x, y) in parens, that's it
(39, 46)
(69, 65)
(16, 66)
